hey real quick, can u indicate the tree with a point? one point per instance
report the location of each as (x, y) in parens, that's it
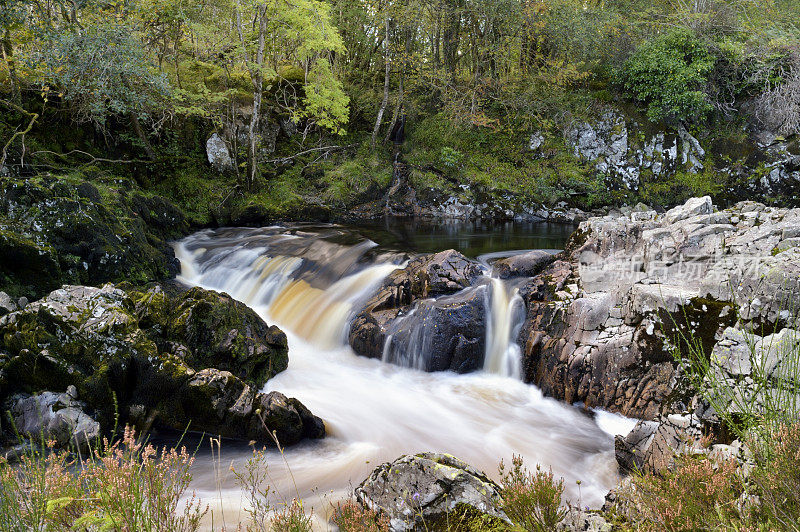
(291, 33)
(102, 71)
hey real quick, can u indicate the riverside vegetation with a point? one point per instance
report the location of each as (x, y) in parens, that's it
(127, 125)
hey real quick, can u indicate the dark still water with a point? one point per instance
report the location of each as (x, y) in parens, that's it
(470, 238)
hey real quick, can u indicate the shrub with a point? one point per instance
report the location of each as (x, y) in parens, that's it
(531, 500)
(350, 516)
(777, 477)
(697, 494)
(122, 486)
(669, 74)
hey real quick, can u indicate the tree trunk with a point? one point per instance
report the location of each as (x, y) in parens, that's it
(8, 56)
(385, 100)
(396, 113)
(137, 128)
(257, 77)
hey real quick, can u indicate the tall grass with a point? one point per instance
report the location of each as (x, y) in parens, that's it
(125, 485)
(757, 393)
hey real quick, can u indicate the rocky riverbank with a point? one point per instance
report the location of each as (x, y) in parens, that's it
(160, 357)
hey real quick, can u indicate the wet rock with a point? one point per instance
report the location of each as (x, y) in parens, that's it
(218, 155)
(155, 356)
(407, 296)
(54, 232)
(422, 490)
(447, 333)
(524, 265)
(54, 416)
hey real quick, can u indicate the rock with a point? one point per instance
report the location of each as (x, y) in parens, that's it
(158, 356)
(217, 402)
(584, 520)
(598, 318)
(54, 416)
(7, 304)
(54, 232)
(218, 155)
(219, 332)
(652, 445)
(425, 277)
(447, 333)
(536, 141)
(693, 207)
(524, 265)
(422, 490)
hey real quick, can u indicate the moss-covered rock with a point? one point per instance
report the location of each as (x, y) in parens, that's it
(226, 334)
(140, 355)
(57, 231)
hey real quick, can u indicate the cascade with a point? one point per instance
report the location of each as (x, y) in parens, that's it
(309, 282)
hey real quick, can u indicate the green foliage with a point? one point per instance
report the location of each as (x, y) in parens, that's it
(531, 500)
(669, 75)
(681, 186)
(325, 101)
(102, 71)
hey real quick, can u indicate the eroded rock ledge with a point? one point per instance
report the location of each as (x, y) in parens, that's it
(604, 319)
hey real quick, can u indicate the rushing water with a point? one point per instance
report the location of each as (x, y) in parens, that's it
(310, 280)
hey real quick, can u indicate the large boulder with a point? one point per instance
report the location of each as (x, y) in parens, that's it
(217, 402)
(419, 492)
(174, 358)
(216, 330)
(414, 293)
(608, 320)
(54, 232)
(57, 417)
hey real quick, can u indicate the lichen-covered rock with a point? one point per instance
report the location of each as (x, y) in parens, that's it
(55, 232)
(218, 154)
(604, 318)
(59, 417)
(422, 490)
(148, 355)
(412, 287)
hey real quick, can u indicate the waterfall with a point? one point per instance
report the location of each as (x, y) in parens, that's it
(309, 282)
(504, 319)
(282, 287)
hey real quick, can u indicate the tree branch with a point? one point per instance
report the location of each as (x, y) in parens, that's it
(33, 117)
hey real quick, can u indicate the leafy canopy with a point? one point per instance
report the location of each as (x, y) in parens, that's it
(669, 74)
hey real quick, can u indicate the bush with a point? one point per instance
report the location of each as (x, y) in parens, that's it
(121, 486)
(531, 500)
(697, 494)
(350, 516)
(669, 74)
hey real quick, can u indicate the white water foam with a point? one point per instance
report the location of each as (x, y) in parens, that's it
(374, 412)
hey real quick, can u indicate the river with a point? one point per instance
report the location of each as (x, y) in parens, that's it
(309, 279)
